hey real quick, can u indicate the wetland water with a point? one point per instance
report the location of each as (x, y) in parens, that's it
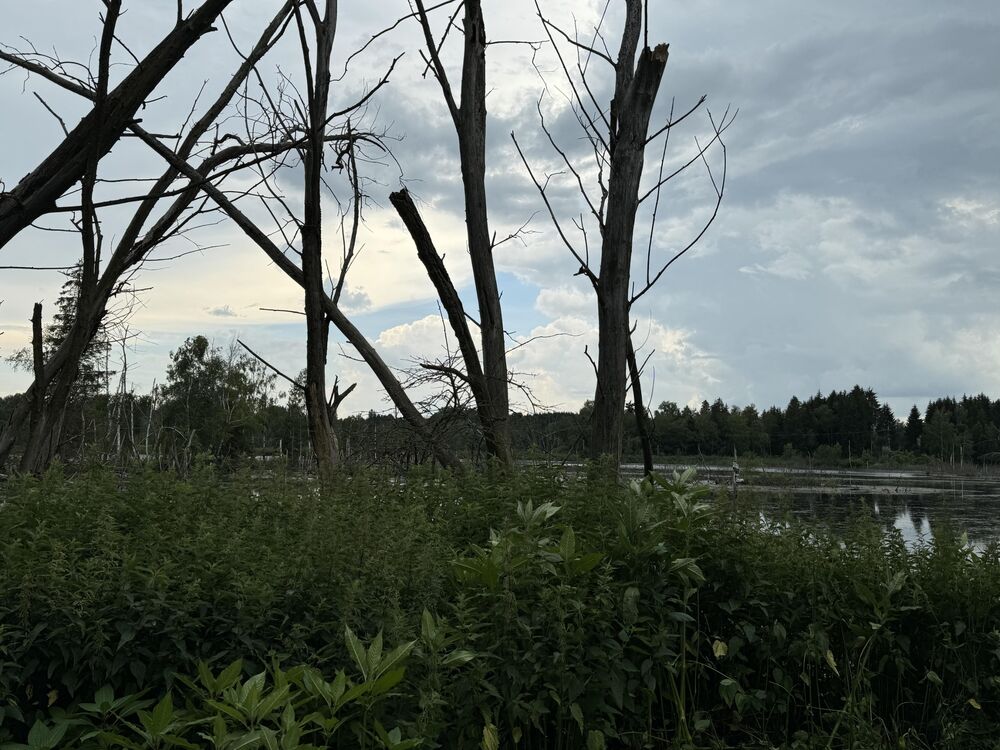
(914, 502)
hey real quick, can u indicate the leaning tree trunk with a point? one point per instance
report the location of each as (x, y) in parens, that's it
(474, 375)
(641, 416)
(635, 94)
(386, 377)
(130, 250)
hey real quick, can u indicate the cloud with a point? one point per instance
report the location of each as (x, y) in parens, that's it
(223, 311)
(419, 339)
(355, 301)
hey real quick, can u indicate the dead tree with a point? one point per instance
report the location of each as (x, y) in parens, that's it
(134, 246)
(488, 378)
(618, 137)
(216, 162)
(321, 433)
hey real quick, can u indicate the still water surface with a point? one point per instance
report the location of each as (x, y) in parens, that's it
(913, 502)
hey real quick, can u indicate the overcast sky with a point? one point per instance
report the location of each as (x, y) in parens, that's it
(858, 240)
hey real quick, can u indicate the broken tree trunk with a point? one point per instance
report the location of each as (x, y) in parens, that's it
(469, 117)
(631, 108)
(474, 375)
(130, 250)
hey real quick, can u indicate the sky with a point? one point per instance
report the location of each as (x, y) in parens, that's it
(858, 240)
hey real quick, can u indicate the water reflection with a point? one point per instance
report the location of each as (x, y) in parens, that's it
(916, 504)
(917, 517)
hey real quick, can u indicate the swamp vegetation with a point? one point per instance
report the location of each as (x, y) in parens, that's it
(531, 610)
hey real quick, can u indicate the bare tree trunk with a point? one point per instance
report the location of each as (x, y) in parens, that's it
(619, 138)
(37, 193)
(472, 149)
(635, 94)
(469, 116)
(324, 441)
(46, 430)
(38, 397)
(641, 417)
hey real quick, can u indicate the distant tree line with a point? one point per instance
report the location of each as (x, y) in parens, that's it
(223, 405)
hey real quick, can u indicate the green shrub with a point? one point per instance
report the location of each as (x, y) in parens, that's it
(286, 709)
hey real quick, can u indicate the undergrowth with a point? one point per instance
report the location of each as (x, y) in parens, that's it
(535, 611)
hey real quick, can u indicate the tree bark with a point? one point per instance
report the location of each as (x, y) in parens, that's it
(438, 274)
(472, 150)
(38, 397)
(630, 113)
(98, 131)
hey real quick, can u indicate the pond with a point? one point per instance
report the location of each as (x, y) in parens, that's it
(914, 502)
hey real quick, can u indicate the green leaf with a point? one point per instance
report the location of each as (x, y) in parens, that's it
(491, 739)
(229, 676)
(356, 650)
(271, 702)
(729, 689)
(577, 714)
(339, 686)
(250, 739)
(459, 656)
(228, 710)
(587, 562)
(104, 697)
(374, 654)
(428, 629)
(175, 741)
(354, 693)
(117, 741)
(206, 677)
(567, 545)
(387, 682)
(395, 657)
(595, 740)
(162, 715)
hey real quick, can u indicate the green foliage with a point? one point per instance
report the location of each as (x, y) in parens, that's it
(213, 402)
(531, 611)
(281, 709)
